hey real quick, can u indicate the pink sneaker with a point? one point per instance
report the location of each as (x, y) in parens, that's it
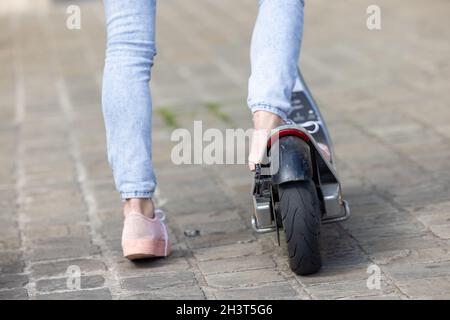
(325, 150)
(143, 237)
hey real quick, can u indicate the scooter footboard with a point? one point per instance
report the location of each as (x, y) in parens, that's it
(336, 209)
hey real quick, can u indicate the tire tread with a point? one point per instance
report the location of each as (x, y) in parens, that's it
(300, 212)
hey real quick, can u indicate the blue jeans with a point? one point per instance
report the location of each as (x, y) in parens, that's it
(126, 97)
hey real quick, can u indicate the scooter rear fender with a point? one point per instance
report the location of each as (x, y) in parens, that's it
(291, 159)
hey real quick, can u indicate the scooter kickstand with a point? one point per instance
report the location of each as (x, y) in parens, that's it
(277, 227)
(278, 234)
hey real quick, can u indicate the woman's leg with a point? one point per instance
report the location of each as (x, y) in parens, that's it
(126, 99)
(127, 112)
(274, 55)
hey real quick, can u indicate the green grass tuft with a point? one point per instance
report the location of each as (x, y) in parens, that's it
(214, 108)
(168, 117)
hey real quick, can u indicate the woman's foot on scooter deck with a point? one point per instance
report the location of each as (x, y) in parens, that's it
(144, 232)
(264, 122)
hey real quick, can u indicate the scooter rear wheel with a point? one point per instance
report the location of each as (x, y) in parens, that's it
(301, 217)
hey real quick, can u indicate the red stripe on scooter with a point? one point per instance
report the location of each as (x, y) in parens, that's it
(287, 132)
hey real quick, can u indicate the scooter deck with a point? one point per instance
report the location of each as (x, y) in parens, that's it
(306, 114)
(305, 111)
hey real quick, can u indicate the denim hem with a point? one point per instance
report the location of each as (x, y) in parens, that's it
(268, 108)
(136, 194)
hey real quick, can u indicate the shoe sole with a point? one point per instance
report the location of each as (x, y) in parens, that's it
(145, 248)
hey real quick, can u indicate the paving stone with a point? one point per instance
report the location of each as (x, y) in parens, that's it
(14, 294)
(387, 257)
(57, 214)
(243, 278)
(42, 234)
(271, 291)
(229, 251)
(442, 231)
(63, 248)
(214, 216)
(421, 241)
(10, 239)
(170, 293)
(208, 227)
(59, 268)
(344, 257)
(379, 297)
(158, 280)
(347, 289)
(198, 204)
(219, 239)
(56, 177)
(173, 263)
(388, 231)
(13, 281)
(420, 194)
(437, 288)
(188, 190)
(60, 284)
(94, 294)
(45, 196)
(434, 214)
(330, 274)
(418, 270)
(11, 262)
(378, 215)
(236, 264)
(338, 249)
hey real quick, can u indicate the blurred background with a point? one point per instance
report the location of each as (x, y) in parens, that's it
(384, 94)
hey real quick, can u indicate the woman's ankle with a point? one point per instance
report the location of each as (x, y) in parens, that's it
(144, 206)
(266, 120)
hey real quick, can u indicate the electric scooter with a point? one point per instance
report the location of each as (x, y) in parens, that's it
(296, 187)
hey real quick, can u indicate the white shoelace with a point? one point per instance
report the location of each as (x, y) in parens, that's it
(160, 214)
(315, 124)
(309, 124)
(161, 218)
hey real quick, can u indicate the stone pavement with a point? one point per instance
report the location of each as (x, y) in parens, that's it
(384, 93)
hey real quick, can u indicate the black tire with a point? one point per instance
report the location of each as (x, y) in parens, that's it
(301, 217)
